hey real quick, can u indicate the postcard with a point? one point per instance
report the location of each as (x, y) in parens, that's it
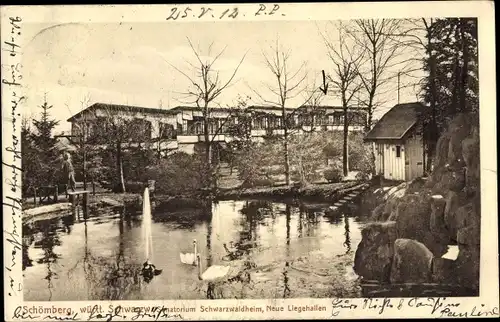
(249, 161)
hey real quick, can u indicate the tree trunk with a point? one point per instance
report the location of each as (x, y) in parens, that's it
(208, 150)
(345, 164)
(433, 132)
(465, 67)
(285, 146)
(119, 166)
(84, 167)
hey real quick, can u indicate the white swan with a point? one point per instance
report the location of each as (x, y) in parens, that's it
(213, 273)
(219, 277)
(190, 258)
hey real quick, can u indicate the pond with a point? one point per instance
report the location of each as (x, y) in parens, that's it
(290, 251)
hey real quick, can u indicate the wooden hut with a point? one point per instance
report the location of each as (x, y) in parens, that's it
(398, 143)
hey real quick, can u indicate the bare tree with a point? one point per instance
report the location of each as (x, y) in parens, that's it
(346, 55)
(203, 91)
(288, 83)
(417, 35)
(383, 58)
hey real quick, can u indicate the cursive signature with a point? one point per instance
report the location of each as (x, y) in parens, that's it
(156, 313)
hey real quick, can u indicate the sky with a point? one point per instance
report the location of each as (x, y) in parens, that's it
(77, 64)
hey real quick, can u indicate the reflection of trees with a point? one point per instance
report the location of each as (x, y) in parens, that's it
(347, 242)
(49, 240)
(28, 239)
(68, 222)
(109, 280)
(119, 277)
(254, 213)
(286, 290)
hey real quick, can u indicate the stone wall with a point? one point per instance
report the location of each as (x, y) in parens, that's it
(412, 227)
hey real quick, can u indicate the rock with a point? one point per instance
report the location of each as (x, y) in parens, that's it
(452, 204)
(469, 235)
(437, 214)
(467, 266)
(416, 184)
(373, 258)
(442, 145)
(390, 209)
(452, 179)
(412, 262)
(458, 129)
(378, 214)
(443, 271)
(412, 217)
(470, 152)
(461, 218)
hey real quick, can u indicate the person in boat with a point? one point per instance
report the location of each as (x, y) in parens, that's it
(149, 271)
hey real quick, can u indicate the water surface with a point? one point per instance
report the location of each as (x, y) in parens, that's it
(294, 251)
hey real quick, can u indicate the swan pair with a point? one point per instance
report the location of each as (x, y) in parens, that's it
(212, 273)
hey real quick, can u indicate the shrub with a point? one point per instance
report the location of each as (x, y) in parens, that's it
(179, 174)
(334, 173)
(363, 176)
(258, 182)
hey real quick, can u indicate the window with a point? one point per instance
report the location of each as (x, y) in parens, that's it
(167, 131)
(398, 151)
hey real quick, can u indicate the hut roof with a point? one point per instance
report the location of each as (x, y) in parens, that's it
(396, 122)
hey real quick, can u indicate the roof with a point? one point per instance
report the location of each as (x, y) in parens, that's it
(118, 107)
(64, 144)
(396, 122)
(196, 108)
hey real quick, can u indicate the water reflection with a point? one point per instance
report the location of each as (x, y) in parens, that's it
(347, 232)
(101, 255)
(286, 289)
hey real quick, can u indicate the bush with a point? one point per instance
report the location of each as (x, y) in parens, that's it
(258, 182)
(135, 186)
(179, 174)
(334, 174)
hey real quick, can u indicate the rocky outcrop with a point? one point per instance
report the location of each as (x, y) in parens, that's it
(374, 255)
(418, 220)
(412, 262)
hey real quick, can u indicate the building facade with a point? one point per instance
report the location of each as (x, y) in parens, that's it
(182, 128)
(398, 143)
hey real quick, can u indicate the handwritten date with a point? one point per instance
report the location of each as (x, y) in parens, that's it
(229, 13)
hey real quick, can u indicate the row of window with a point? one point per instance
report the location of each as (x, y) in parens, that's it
(143, 128)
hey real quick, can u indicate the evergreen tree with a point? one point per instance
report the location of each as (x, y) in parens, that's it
(45, 146)
(452, 84)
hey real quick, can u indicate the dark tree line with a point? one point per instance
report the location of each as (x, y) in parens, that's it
(452, 84)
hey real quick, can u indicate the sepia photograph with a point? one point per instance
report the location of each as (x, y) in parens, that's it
(203, 157)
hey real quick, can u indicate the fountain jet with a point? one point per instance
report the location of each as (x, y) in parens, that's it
(148, 270)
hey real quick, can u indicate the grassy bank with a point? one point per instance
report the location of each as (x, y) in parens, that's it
(326, 192)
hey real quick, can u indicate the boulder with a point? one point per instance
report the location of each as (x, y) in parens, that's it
(470, 152)
(443, 271)
(378, 214)
(412, 217)
(458, 129)
(452, 204)
(470, 235)
(442, 145)
(461, 218)
(412, 262)
(467, 266)
(438, 205)
(450, 179)
(373, 258)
